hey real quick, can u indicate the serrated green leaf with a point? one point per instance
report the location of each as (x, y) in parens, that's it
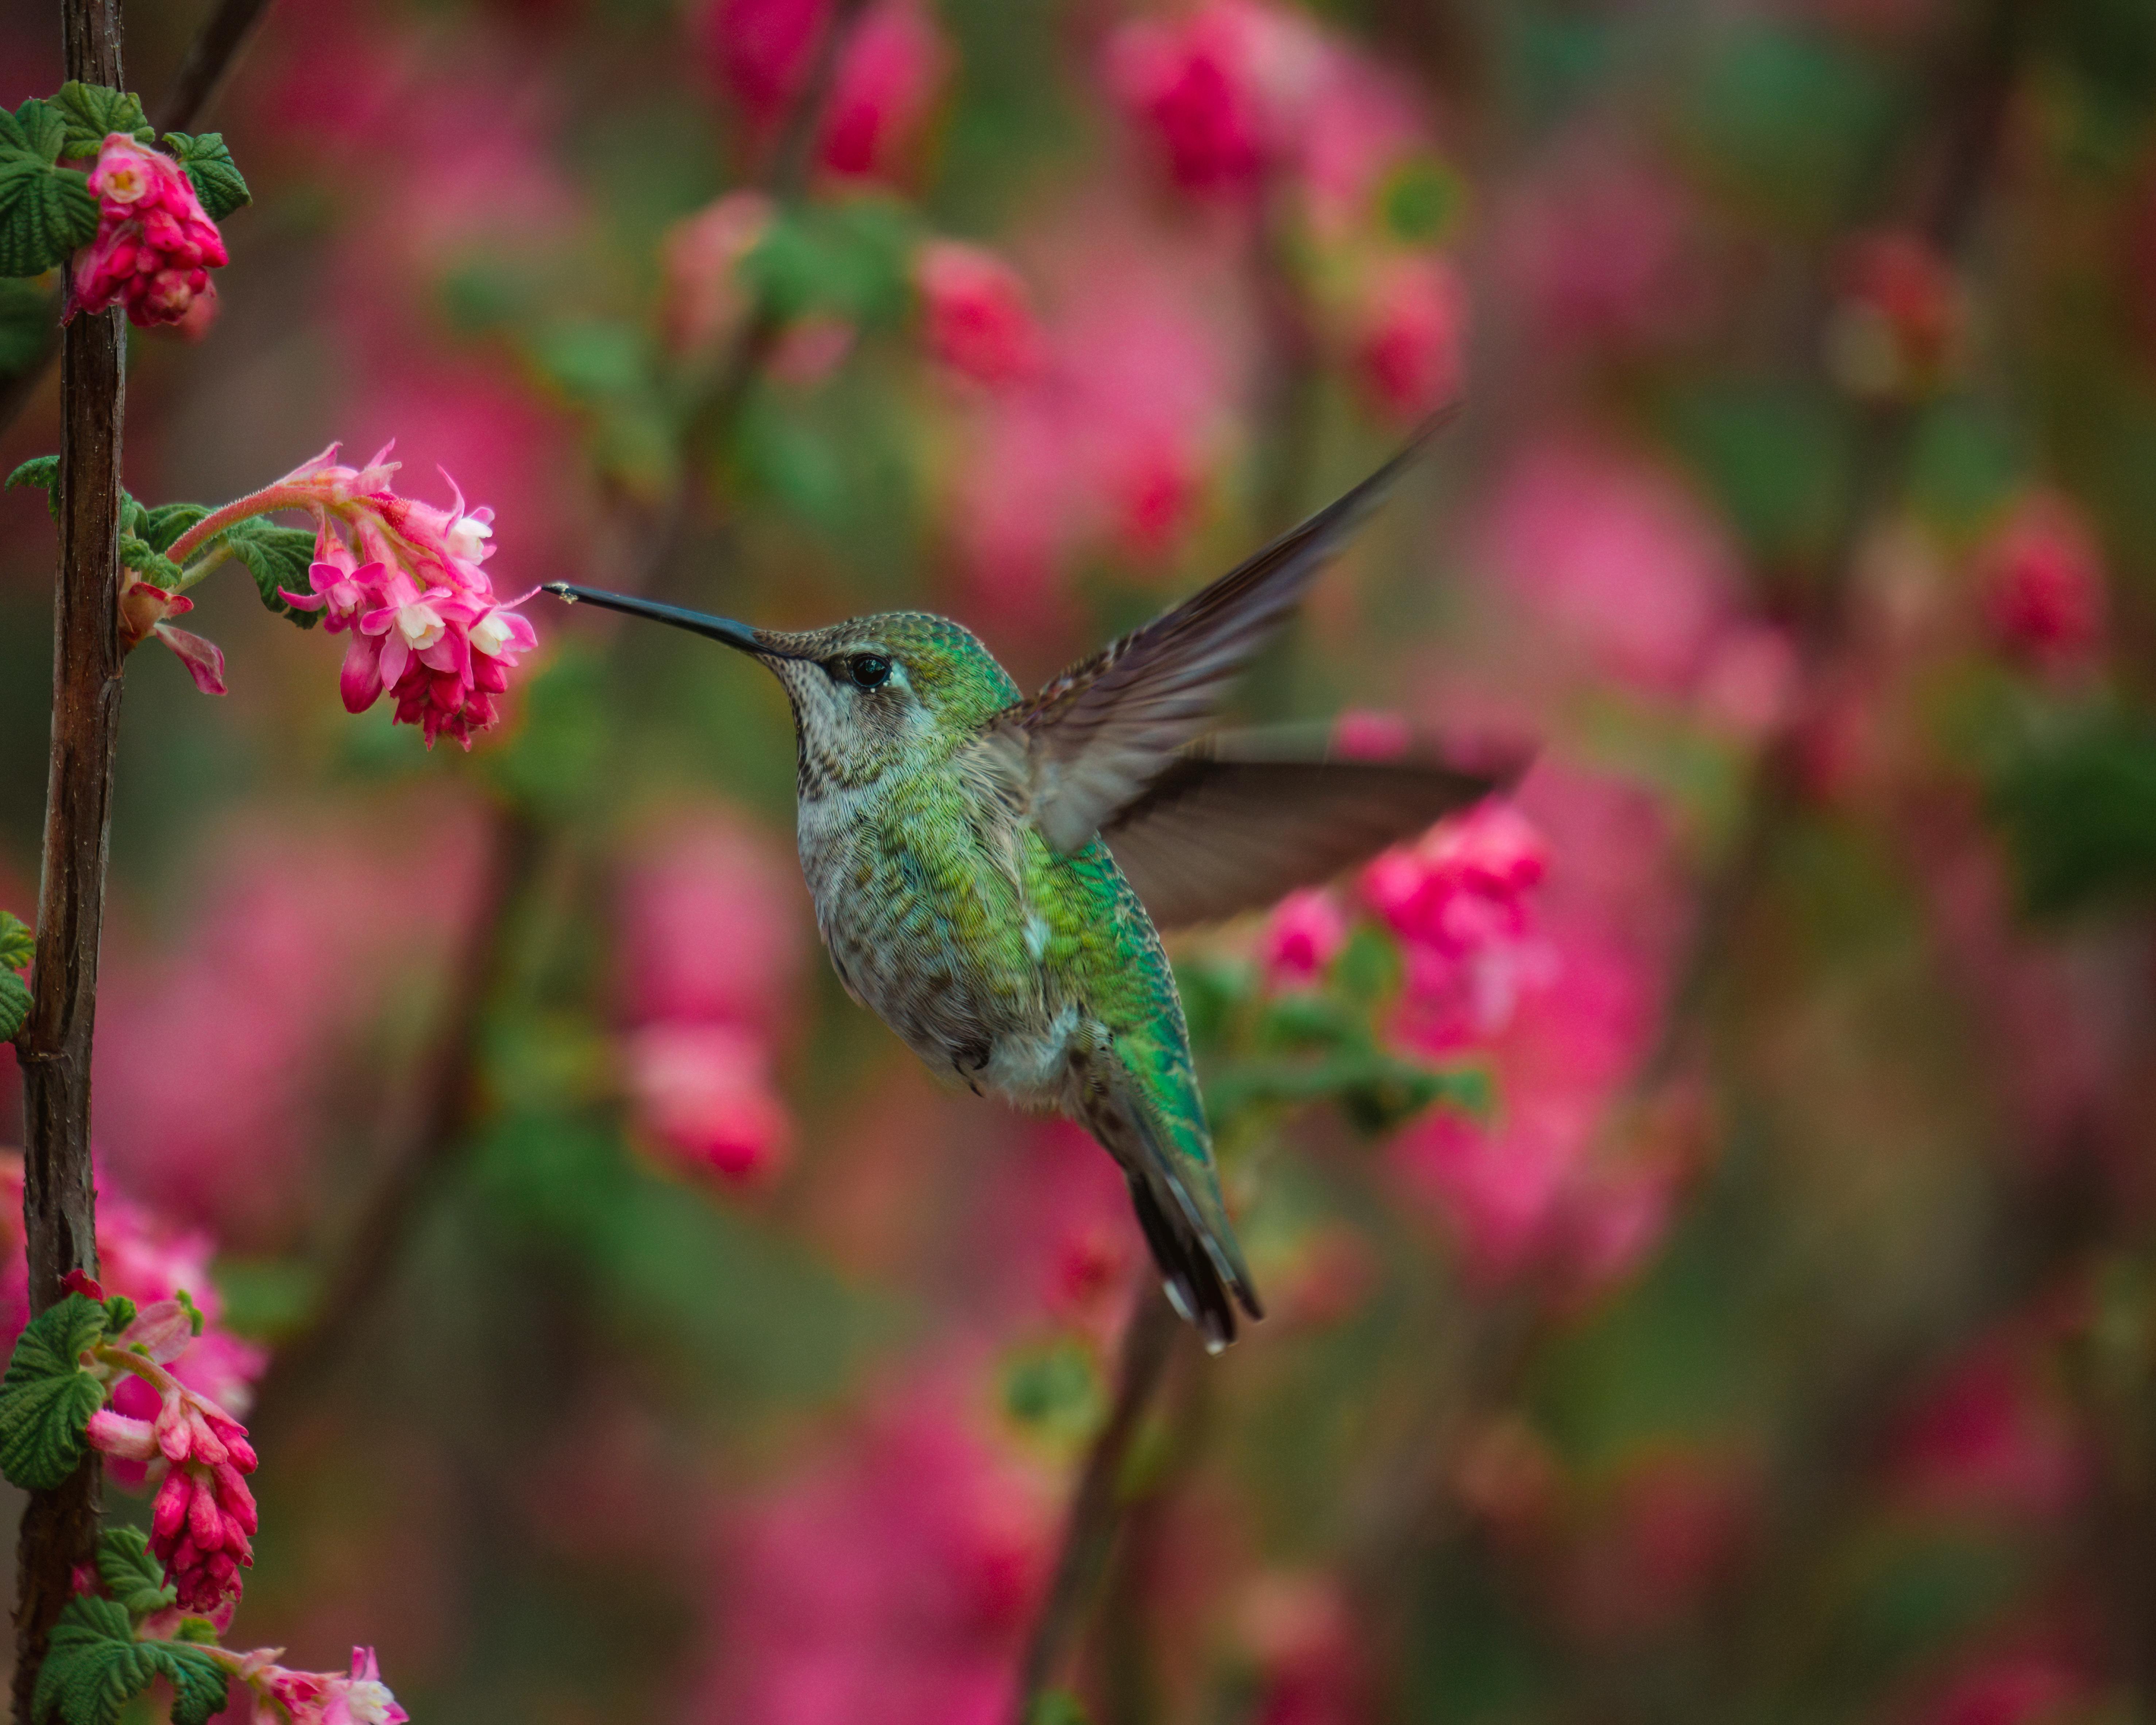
(120, 1312)
(145, 560)
(210, 166)
(165, 523)
(18, 941)
(276, 557)
(94, 1665)
(92, 111)
(45, 213)
(14, 1005)
(46, 1398)
(135, 1579)
(42, 471)
(37, 128)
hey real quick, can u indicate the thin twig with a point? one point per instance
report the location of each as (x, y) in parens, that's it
(59, 1212)
(209, 57)
(1148, 1338)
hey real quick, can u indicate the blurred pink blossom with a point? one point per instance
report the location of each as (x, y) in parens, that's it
(1989, 1437)
(1619, 555)
(1748, 685)
(711, 918)
(978, 314)
(1302, 936)
(2042, 583)
(1302, 1632)
(703, 1094)
(1411, 331)
(702, 299)
(1898, 322)
(2009, 1686)
(1596, 244)
(154, 247)
(888, 77)
(760, 51)
(1673, 1528)
(892, 1578)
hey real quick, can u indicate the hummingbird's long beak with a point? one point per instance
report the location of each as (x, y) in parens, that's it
(735, 634)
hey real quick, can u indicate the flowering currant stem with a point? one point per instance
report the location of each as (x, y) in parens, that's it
(60, 1526)
(1149, 1339)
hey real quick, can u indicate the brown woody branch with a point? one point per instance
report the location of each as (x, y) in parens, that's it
(60, 1222)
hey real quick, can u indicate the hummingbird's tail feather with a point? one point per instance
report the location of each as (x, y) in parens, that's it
(1178, 1199)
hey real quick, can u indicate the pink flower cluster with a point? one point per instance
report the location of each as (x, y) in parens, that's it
(1560, 1178)
(978, 315)
(203, 1515)
(2042, 583)
(710, 947)
(407, 585)
(891, 1580)
(356, 1697)
(890, 70)
(154, 247)
(152, 1263)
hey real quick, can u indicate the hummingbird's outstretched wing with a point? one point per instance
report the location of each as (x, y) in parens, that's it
(1233, 823)
(1097, 736)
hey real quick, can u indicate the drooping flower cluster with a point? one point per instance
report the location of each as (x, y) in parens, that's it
(204, 1517)
(404, 579)
(358, 1697)
(710, 945)
(155, 246)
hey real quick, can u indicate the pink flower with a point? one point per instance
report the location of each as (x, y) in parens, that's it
(1302, 1632)
(144, 609)
(887, 78)
(703, 1093)
(426, 626)
(2042, 579)
(1619, 555)
(1897, 326)
(1221, 90)
(1412, 328)
(702, 300)
(326, 1698)
(760, 51)
(154, 247)
(890, 1579)
(1303, 935)
(1991, 1437)
(1464, 883)
(1597, 246)
(979, 317)
(711, 926)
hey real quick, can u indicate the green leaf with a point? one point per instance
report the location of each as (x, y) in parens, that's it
(18, 941)
(37, 128)
(92, 111)
(42, 471)
(135, 1579)
(165, 523)
(14, 1005)
(95, 1666)
(119, 1313)
(210, 166)
(145, 560)
(45, 213)
(46, 1398)
(276, 557)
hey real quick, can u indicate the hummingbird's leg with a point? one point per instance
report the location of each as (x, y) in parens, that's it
(969, 1060)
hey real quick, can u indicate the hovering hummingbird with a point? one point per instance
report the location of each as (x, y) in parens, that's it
(990, 871)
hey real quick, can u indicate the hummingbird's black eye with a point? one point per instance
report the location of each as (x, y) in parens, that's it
(867, 670)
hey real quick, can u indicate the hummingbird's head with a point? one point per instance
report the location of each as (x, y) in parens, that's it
(868, 695)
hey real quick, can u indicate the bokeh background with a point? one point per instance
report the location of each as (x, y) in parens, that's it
(1706, 1205)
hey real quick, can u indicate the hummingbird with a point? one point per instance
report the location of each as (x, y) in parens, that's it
(991, 871)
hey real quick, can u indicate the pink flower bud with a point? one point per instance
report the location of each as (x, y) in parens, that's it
(175, 1431)
(116, 1435)
(164, 1330)
(205, 1525)
(154, 245)
(979, 320)
(77, 1281)
(168, 1510)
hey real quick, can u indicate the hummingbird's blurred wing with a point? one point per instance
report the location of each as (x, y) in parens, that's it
(1232, 823)
(1098, 736)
